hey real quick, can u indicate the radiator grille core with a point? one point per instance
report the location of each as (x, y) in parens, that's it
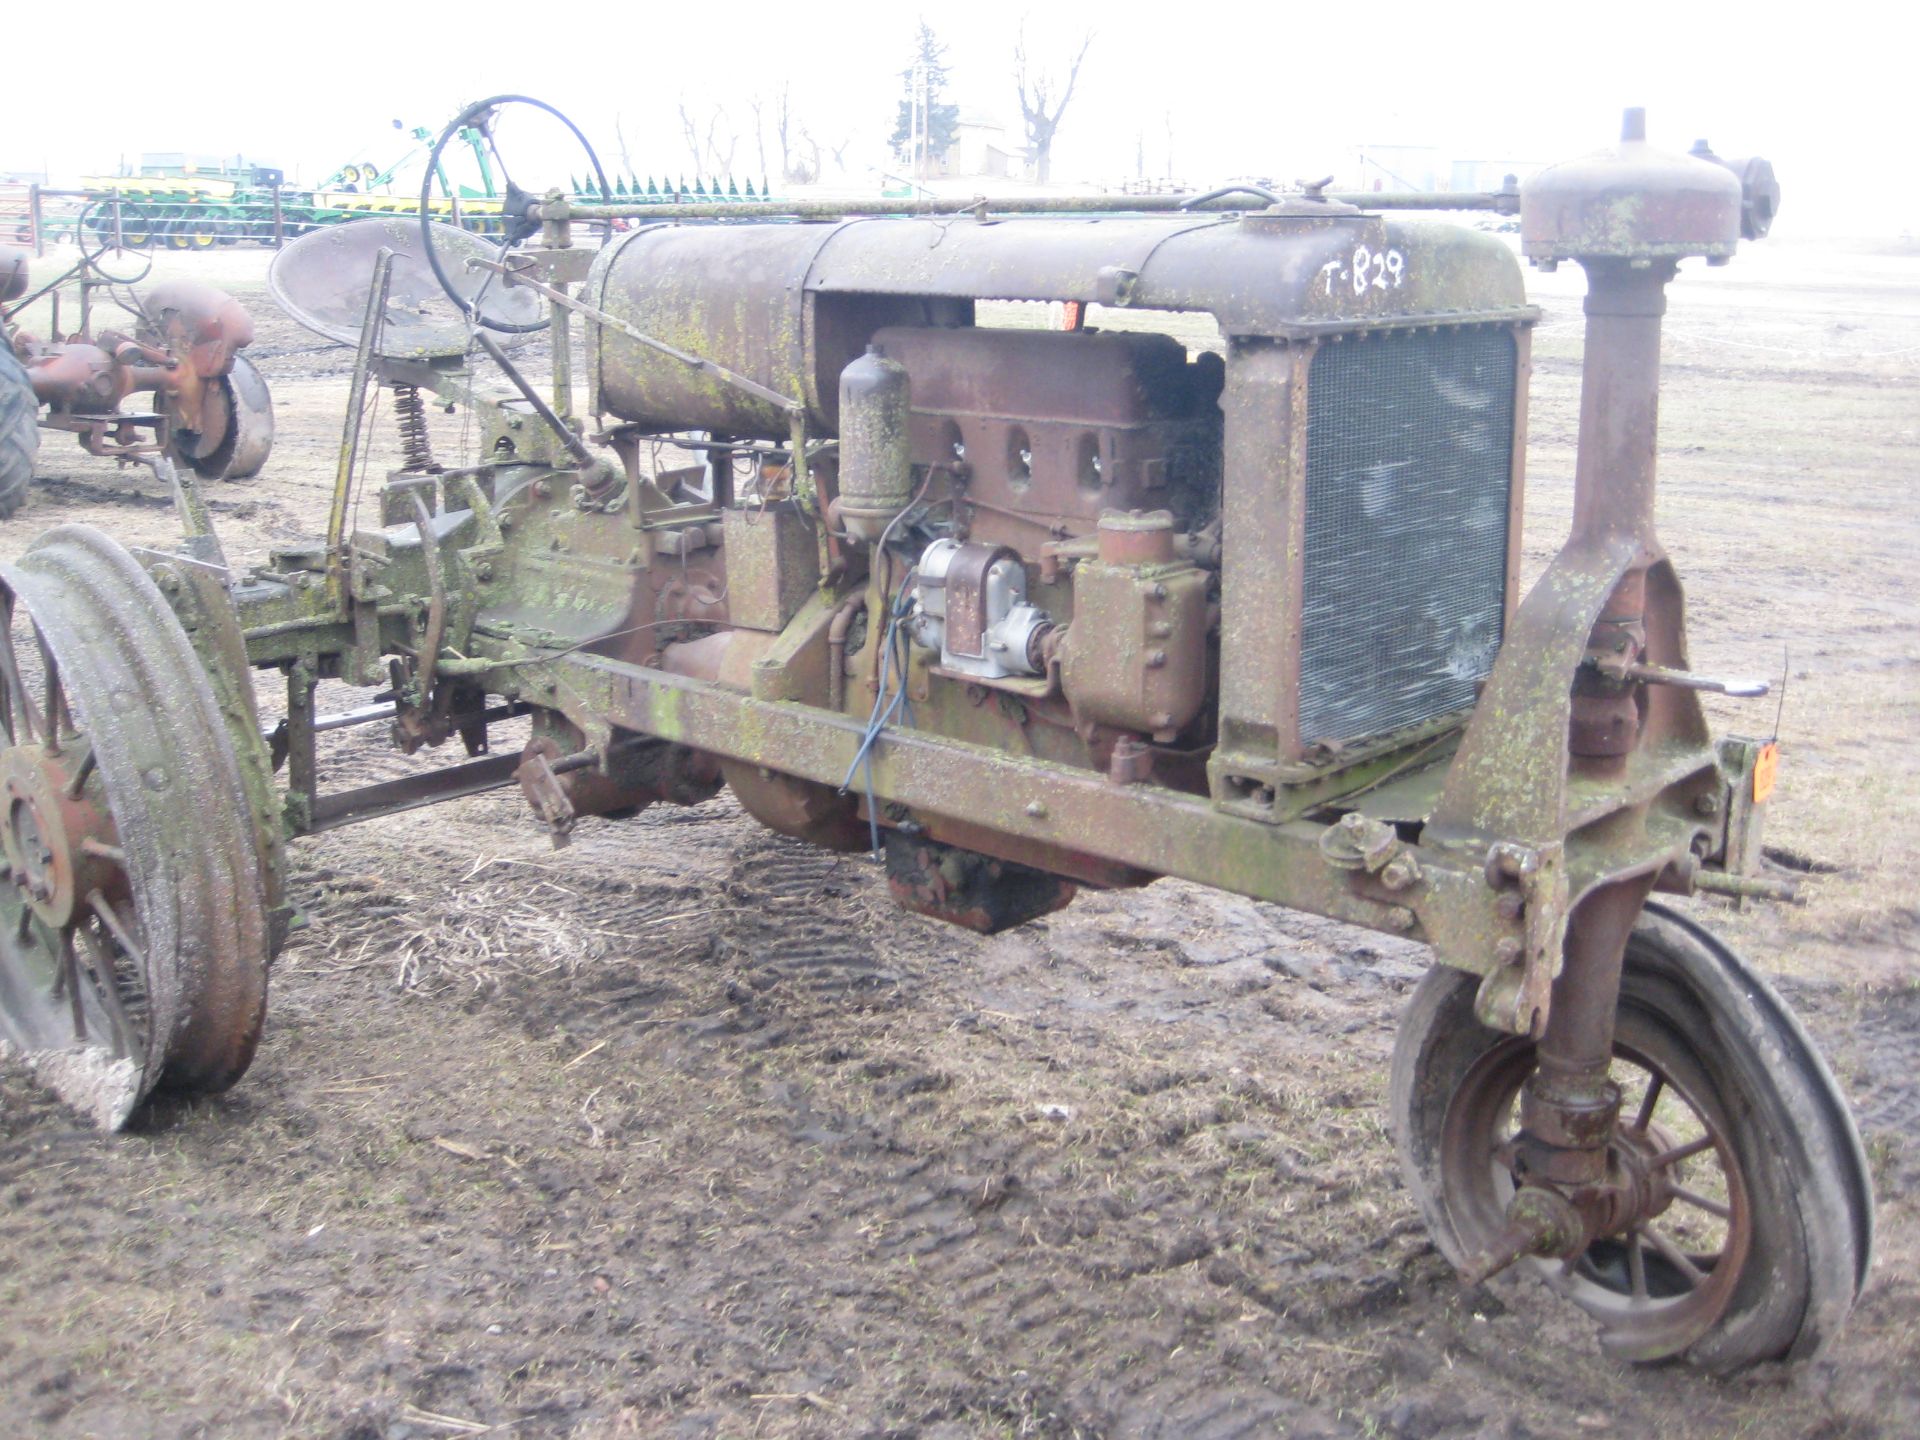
(1409, 475)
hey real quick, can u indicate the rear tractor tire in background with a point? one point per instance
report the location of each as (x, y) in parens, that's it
(19, 432)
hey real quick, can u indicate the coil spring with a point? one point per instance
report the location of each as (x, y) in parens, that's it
(416, 445)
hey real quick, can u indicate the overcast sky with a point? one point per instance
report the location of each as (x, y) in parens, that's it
(1284, 90)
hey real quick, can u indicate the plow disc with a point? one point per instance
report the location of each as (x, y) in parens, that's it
(134, 932)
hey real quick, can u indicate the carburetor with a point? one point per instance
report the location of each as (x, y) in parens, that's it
(1136, 656)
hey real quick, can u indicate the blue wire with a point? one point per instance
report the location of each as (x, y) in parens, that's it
(887, 704)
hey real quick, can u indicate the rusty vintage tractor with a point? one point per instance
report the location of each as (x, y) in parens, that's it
(1023, 610)
(208, 406)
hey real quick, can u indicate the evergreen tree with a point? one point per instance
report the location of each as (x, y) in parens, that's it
(923, 83)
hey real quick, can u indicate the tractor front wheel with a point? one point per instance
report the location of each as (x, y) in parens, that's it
(1751, 1227)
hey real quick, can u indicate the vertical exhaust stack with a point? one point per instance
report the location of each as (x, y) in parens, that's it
(1628, 215)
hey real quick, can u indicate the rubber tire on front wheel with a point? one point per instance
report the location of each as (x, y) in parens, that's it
(1692, 1005)
(19, 432)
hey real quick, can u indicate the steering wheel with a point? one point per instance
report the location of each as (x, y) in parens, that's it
(517, 224)
(96, 222)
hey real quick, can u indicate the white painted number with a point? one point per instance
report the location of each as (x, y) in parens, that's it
(1367, 270)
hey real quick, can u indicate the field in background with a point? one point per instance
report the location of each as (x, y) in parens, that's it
(685, 1131)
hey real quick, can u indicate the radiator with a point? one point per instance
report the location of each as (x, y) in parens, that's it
(1409, 478)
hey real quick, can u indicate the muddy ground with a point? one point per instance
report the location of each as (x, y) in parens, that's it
(685, 1131)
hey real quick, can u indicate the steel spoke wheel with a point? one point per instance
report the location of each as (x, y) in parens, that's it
(133, 919)
(1749, 1222)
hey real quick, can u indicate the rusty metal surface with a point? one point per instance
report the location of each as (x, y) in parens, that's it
(1631, 200)
(74, 376)
(1231, 200)
(773, 564)
(806, 810)
(234, 434)
(734, 296)
(966, 598)
(939, 634)
(390, 797)
(322, 280)
(180, 812)
(187, 351)
(876, 448)
(966, 889)
(1153, 830)
(1256, 275)
(1042, 431)
(791, 305)
(200, 326)
(1135, 655)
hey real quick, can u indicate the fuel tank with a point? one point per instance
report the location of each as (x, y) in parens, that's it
(790, 305)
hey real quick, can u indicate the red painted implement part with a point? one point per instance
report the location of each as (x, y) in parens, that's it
(210, 408)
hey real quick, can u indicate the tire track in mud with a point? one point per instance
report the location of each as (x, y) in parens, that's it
(1881, 1046)
(790, 919)
(919, 1205)
(929, 1206)
(943, 1200)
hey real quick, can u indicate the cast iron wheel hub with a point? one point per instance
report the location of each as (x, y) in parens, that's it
(1644, 1188)
(52, 840)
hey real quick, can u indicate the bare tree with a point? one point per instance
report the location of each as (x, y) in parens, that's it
(783, 132)
(804, 167)
(799, 151)
(1037, 108)
(760, 133)
(712, 149)
(690, 132)
(620, 136)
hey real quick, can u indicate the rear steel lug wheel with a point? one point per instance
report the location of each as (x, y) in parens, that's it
(133, 925)
(1736, 1222)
